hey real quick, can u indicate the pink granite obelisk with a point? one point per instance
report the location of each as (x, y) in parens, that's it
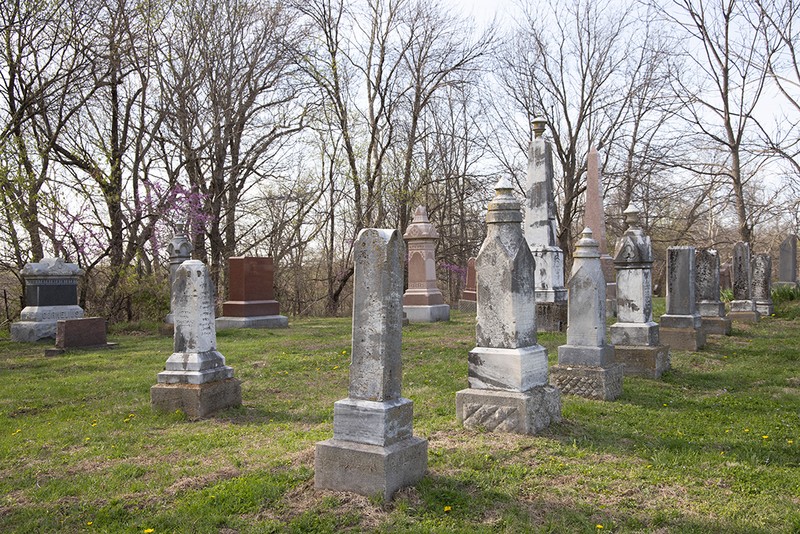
(422, 301)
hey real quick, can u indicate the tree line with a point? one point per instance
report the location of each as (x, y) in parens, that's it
(283, 128)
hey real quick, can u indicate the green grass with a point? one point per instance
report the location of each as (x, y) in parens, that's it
(713, 447)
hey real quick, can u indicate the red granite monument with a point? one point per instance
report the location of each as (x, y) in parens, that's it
(469, 297)
(422, 301)
(251, 295)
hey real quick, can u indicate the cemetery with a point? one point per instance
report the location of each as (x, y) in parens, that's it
(369, 266)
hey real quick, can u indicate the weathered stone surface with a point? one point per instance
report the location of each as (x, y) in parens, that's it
(468, 306)
(681, 327)
(373, 450)
(762, 284)
(743, 307)
(540, 226)
(726, 276)
(508, 369)
(787, 268)
(600, 383)
(551, 316)
(422, 291)
(707, 292)
(179, 250)
(595, 219)
(197, 400)
(369, 469)
(501, 411)
(51, 294)
(642, 361)
(195, 359)
(86, 332)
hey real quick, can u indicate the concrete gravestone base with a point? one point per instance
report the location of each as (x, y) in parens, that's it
(681, 337)
(265, 321)
(427, 314)
(600, 383)
(197, 401)
(643, 361)
(717, 325)
(745, 316)
(527, 412)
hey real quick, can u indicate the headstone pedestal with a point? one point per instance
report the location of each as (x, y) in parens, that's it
(422, 301)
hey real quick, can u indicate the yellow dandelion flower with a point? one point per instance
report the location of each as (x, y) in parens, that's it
(665, 404)
(87, 439)
(789, 441)
(765, 436)
(747, 430)
(448, 508)
(148, 530)
(335, 366)
(344, 352)
(89, 523)
(599, 527)
(94, 424)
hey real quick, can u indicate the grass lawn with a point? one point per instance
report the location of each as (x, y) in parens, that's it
(713, 447)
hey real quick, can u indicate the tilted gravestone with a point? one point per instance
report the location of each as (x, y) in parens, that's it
(595, 219)
(251, 296)
(707, 293)
(469, 297)
(373, 450)
(787, 268)
(507, 369)
(51, 293)
(586, 363)
(743, 307)
(635, 334)
(682, 327)
(540, 229)
(422, 301)
(762, 284)
(87, 332)
(195, 379)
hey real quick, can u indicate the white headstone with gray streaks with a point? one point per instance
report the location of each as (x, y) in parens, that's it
(508, 375)
(540, 229)
(179, 250)
(635, 334)
(586, 363)
(373, 449)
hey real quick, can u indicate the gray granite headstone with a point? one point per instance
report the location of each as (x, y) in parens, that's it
(787, 270)
(51, 294)
(586, 363)
(707, 292)
(681, 327)
(743, 307)
(195, 378)
(635, 334)
(540, 229)
(373, 450)
(762, 284)
(508, 368)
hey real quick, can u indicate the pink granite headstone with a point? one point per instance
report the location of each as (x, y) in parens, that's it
(594, 218)
(422, 301)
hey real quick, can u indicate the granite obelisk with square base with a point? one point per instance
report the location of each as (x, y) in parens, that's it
(51, 294)
(635, 334)
(251, 292)
(373, 450)
(195, 379)
(682, 327)
(586, 363)
(508, 389)
(743, 307)
(707, 293)
(787, 267)
(540, 229)
(594, 217)
(422, 301)
(762, 284)
(469, 297)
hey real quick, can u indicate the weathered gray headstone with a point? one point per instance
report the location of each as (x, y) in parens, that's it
(373, 450)
(422, 301)
(635, 334)
(707, 293)
(540, 229)
(586, 363)
(787, 270)
(51, 293)
(469, 297)
(743, 307)
(762, 284)
(594, 218)
(507, 369)
(179, 250)
(195, 379)
(682, 327)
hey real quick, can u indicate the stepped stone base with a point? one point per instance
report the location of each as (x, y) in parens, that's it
(468, 306)
(600, 383)
(646, 362)
(551, 316)
(691, 339)
(744, 316)
(262, 321)
(509, 411)
(197, 400)
(427, 314)
(370, 469)
(717, 325)
(765, 308)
